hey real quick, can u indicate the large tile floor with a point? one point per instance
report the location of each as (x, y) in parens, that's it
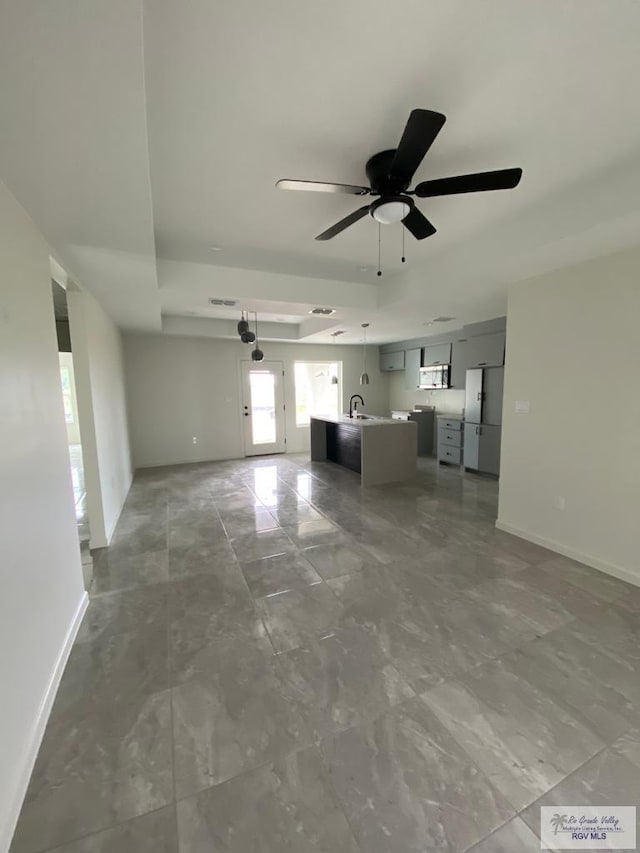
(274, 660)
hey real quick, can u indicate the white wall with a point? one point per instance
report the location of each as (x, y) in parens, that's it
(181, 387)
(41, 590)
(573, 351)
(100, 387)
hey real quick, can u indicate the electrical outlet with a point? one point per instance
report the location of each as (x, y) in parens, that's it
(559, 503)
(195, 439)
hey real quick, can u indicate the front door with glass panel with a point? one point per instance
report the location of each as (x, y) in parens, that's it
(263, 407)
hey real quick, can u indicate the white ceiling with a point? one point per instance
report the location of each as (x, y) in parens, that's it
(137, 137)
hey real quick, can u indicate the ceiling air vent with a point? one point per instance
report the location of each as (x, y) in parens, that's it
(227, 303)
(323, 312)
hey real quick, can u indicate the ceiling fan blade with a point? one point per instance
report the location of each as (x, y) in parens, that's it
(503, 179)
(420, 131)
(418, 224)
(322, 187)
(344, 223)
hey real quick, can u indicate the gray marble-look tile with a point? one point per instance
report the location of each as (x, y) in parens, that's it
(405, 784)
(628, 745)
(513, 837)
(239, 499)
(249, 523)
(294, 616)
(239, 716)
(155, 832)
(613, 627)
(292, 515)
(113, 572)
(106, 681)
(341, 680)
(520, 606)
(129, 611)
(597, 583)
(83, 783)
(185, 534)
(600, 689)
(287, 805)
(607, 779)
(320, 532)
(331, 561)
(279, 573)
(523, 740)
(267, 544)
(200, 558)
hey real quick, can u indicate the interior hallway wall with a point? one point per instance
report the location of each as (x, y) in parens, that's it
(42, 596)
(181, 387)
(100, 389)
(573, 352)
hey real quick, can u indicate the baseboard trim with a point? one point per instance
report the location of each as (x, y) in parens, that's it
(37, 731)
(612, 569)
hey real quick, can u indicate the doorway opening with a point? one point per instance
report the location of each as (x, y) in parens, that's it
(74, 437)
(263, 411)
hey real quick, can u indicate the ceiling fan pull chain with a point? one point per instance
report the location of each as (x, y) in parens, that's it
(403, 257)
(379, 230)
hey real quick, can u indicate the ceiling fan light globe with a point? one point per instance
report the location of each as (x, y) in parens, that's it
(390, 212)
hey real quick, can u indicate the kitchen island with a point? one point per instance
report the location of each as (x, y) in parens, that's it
(381, 450)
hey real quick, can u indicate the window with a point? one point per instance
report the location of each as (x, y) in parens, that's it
(316, 393)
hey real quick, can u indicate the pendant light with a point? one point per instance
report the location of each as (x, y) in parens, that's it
(364, 376)
(257, 354)
(334, 378)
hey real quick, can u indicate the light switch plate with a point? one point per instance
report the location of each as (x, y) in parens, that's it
(523, 407)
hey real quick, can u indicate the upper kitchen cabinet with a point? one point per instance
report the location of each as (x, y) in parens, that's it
(458, 364)
(437, 354)
(412, 365)
(485, 351)
(392, 360)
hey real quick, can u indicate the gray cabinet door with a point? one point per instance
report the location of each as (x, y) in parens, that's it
(485, 350)
(392, 360)
(436, 354)
(492, 391)
(473, 396)
(458, 364)
(489, 449)
(471, 449)
(412, 364)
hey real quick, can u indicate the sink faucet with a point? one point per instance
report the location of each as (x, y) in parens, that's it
(353, 405)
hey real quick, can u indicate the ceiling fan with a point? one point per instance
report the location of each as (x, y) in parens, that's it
(390, 173)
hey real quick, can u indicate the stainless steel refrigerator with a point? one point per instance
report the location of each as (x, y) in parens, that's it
(483, 419)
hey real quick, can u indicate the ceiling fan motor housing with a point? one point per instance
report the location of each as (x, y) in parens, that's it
(381, 181)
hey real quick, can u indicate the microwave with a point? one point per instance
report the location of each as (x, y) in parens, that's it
(435, 377)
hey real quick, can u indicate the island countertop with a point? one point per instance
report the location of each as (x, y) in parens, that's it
(380, 450)
(366, 421)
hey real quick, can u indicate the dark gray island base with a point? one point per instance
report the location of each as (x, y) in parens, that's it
(381, 450)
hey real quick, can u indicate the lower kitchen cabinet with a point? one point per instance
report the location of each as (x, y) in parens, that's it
(450, 440)
(482, 448)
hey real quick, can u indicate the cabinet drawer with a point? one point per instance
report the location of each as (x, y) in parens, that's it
(449, 454)
(450, 436)
(443, 423)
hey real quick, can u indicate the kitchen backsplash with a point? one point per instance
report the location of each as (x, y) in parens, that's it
(448, 402)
